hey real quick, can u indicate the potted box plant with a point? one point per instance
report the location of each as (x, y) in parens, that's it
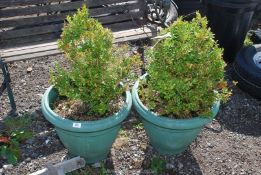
(184, 84)
(87, 102)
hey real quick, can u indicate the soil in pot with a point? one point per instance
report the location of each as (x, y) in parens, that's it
(79, 111)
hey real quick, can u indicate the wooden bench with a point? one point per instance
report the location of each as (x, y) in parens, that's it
(30, 28)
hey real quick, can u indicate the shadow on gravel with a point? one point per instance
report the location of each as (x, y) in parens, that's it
(242, 114)
(181, 164)
(100, 168)
(109, 166)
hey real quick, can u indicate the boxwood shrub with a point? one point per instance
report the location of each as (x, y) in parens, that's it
(186, 71)
(96, 66)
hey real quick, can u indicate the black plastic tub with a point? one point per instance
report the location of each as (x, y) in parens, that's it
(230, 21)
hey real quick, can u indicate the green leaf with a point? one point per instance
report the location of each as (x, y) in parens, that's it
(11, 158)
(3, 150)
(158, 165)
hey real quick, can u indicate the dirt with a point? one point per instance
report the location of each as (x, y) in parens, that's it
(77, 110)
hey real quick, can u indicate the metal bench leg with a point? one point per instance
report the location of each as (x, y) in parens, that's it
(142, 57)
(6, 85)
(143, 71)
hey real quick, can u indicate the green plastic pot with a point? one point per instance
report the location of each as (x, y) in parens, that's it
(91, 140)
(169, 136)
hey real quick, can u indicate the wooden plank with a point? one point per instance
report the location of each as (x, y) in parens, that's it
(119, 18)
(123, 26)
(30, 31)
(131, 32)
(114, 9)
(134, 37)
(32, 55)
(40, 9)
(56, 7)
(13, 3)
(29, 50)
(30, 40)
(91, 3)
(17, 49)
(135, 34)
(33, 20)
(61, 17)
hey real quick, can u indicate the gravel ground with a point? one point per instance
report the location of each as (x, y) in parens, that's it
(229, 145)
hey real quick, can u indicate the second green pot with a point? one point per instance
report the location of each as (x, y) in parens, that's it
(169, 136)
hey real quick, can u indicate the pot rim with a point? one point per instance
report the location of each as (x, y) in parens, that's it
(236, 4)
(84, 126)
(165, 122)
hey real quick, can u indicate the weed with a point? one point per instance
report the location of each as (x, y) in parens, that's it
(139, 126)
(14, 123)
(158, 165)
(15, 133)
(123, 133)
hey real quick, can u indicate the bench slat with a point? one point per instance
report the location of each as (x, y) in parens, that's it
(134, 37)
(40, 50)
(120, 17)
(91, 3)
(123, 26)
(17, 49)
(150, 30)
(13, 3)
(30, 40)
(123, 8)
(31, 31)
(30, 50)
(31, 55)
(61, 17)
(58, 7)
(33, 20)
